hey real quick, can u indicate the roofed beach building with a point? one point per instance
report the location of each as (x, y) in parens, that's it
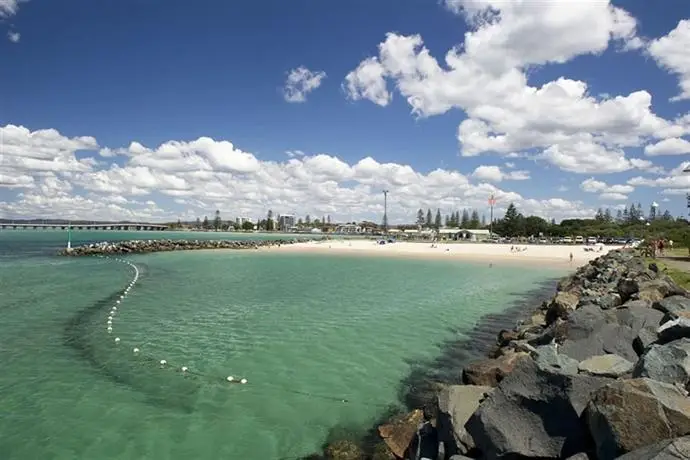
(461, 234)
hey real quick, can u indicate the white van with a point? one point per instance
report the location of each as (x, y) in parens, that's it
(579, 240)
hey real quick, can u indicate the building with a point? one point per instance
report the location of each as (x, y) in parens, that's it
(349, 229)
(461, 234)
(286, 222)
(242, 220)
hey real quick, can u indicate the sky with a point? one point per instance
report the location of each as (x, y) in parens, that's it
(155, 110)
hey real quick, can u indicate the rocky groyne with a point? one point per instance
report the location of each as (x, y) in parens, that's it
(599, 371)
(149, 246)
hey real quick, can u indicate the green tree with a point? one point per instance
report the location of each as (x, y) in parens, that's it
(437, 220)
(446, 220)
(429, 218)
(198, 223)
(217, 223)
(205, 225)
(607, 215)
(247, 226)
(474, 220)
(270, 224)
(465, 220)
(420, 217)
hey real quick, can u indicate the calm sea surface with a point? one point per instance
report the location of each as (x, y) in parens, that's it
(307, 331)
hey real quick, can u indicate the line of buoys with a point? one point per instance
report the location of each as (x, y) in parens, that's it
(136, 351)
(184, 370)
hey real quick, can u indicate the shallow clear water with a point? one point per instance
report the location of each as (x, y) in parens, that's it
(307, 331)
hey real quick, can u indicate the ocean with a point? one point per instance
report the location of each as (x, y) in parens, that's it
(323, 341)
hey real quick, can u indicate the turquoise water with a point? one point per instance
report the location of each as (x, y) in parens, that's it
(307, 331)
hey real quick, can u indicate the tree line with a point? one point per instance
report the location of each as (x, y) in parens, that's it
(467, 220)
(627, 223)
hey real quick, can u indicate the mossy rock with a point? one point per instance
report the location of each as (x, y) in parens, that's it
(344, 450)
(382, 452)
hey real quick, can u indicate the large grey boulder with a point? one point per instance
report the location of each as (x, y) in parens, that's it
(673, 305)
(549, 359)
(561, 305)
(489, 372)
(668, 363)
(657, 289)
(606, 366)
(668, 449)
(456, 403)
(609, 339)
(629, 414)
(675, 329)
(637, 314)
(535, 414)
(645, 338)
(627, 287)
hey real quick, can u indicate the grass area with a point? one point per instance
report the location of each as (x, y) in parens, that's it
(678, 252)
(681, 277)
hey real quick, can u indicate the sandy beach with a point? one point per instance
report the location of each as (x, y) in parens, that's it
(551, 255)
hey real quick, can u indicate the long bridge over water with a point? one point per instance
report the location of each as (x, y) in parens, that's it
(121, 227)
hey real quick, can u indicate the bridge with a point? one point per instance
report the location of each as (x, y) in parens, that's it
(121, 227)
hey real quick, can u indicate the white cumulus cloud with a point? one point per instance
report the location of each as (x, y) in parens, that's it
(300, 82)
(605, 191)
(186, 179)
(559, 122)
(671, 53)
(495, 174)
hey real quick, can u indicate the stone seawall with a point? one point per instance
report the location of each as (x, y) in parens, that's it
(600, 371)
(149, 246)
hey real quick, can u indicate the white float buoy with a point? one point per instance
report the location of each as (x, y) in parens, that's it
(243, 381)
(110, 330)
(230, 378)
(184, 368)
(110, 322)
(163, 362)
(110, 318)
(117, 339)
(117, 302)
(114, 308)
(135, 350)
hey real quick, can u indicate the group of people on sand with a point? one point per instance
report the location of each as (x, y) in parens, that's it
(518, 249)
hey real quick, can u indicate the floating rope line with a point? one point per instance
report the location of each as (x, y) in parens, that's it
(184, 370)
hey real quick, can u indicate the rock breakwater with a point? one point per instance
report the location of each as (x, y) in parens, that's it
(149, 246)
(599, 371)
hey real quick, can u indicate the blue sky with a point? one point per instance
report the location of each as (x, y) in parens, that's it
(83, 80)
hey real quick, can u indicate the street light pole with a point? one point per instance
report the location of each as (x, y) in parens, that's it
(385, 212)
(492, 202)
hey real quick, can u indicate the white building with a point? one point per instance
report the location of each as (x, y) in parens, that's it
(242, 220)
(348, 228)
(286, 222)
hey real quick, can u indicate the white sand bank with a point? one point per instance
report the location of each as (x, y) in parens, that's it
(545, 255)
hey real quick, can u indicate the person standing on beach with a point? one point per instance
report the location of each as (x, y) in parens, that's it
(571, 257)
